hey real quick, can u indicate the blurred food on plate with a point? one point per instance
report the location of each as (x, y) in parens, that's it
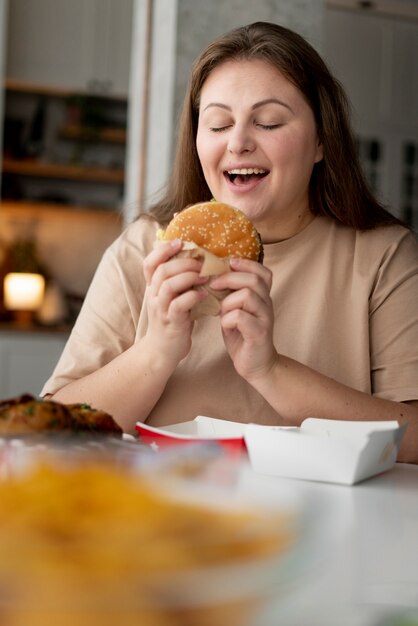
(95, 544)
(25, 414)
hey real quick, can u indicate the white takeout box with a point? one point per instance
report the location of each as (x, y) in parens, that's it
(334, 451)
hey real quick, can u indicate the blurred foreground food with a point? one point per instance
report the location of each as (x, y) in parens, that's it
(91, 544)
(26, 415)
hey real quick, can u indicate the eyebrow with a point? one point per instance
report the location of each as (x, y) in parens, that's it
(254, 106)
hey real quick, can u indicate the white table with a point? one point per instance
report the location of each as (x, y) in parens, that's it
(362, 568)
(368, 572)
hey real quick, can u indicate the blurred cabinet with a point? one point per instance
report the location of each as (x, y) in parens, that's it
(376, 59)
(354, 49)
(404, 102)
(81, 45)
(27, 360)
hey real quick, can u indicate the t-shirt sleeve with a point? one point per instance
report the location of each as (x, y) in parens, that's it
(394, 322)
(107, 321)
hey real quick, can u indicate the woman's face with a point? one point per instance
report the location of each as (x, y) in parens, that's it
(257, 144)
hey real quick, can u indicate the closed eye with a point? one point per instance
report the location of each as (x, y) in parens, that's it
(218, 129)
(269, 126)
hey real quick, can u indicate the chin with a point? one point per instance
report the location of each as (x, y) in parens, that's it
(244, 204)
(253, 211)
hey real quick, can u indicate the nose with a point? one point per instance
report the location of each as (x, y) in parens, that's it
(240, 140)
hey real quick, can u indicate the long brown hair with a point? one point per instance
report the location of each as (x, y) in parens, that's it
(337, 187)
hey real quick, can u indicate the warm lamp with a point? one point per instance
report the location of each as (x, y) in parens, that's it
(23, 292)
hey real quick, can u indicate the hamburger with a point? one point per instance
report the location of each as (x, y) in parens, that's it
(214, 232)
(218, 228)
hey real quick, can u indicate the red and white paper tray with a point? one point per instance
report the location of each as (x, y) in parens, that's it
(202, 429)
(335, 451)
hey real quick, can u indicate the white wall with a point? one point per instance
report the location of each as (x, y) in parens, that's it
(151, 98)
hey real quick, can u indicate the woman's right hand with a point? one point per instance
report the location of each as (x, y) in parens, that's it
(170, 298)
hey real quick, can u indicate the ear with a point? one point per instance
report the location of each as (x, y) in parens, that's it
(319, 155)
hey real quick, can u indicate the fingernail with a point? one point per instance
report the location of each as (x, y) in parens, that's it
(234, 263)
(174, 243)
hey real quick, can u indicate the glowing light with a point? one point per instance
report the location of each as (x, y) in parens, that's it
(23, 292)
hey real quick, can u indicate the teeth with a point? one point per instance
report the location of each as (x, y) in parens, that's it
(247, 170)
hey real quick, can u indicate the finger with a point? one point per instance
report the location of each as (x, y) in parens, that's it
(172, 268)
(246, 300)
(251, 330)
(180, 307)
(243, 322)
(235, 281)
(162, 252)
(177, 285)
(252, 267)
(257, 304)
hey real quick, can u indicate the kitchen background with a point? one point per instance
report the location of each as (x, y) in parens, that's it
(91, 94)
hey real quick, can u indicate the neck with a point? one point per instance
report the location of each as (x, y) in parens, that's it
(285, 230)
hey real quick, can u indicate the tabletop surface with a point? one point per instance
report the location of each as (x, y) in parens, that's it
(361, 563)
(367, 574)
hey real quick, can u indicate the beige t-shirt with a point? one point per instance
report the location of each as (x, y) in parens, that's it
(345, 302)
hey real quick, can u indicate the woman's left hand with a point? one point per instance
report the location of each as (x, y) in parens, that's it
(247, 317)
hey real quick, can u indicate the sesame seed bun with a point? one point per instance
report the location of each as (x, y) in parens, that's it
(219, 228)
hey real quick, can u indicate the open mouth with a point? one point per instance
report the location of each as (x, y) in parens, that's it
(245, 174)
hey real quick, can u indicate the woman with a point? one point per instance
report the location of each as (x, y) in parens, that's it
(327, 327)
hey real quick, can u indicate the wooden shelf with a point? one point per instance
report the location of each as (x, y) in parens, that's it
(80, 133)
(28, 206)
(57, 92)
(66, 172)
